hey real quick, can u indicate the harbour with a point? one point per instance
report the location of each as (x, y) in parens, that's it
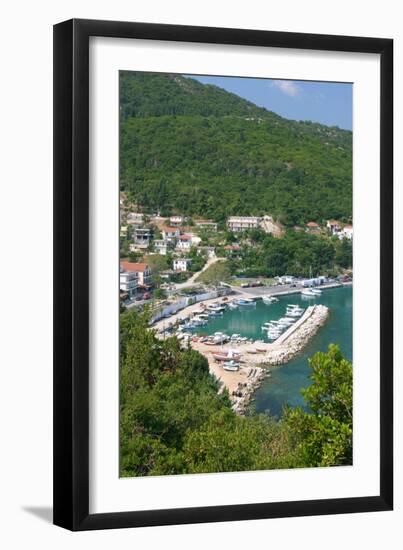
(245, 339)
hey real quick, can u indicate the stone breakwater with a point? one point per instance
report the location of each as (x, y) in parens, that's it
(258, 357)
(291, 342)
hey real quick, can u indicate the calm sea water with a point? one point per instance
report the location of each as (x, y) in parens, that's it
(284, 385)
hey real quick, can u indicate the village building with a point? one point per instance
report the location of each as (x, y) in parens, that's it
(128, 281)
(162, 247)
(232, 250)
(142, 270)
(184, 243)
(242, 223)
(312, 227)
(142, 235)
(333, 226)
(181, 264)
(206, 224)
(135, 218)
(347, 232)
(176, 220)
(170, 233)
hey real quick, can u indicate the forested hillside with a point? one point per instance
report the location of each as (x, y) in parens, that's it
(199, 150)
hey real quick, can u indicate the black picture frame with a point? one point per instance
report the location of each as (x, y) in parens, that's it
(71, 274)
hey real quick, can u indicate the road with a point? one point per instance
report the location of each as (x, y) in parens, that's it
(192, 280)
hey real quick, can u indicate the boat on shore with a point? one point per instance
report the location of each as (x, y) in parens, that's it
(231, 366)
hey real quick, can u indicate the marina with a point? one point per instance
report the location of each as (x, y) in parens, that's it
(246, 338)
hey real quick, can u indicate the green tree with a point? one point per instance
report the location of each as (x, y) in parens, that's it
(324, 436)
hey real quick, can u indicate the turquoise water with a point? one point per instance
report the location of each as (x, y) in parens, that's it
(286, 381)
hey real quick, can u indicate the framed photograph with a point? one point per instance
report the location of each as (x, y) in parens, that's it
(223, 237)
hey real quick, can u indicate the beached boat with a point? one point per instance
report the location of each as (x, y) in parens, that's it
(231, 366)
(225, 356)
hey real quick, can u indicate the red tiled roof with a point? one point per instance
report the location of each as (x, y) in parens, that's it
(312, 224)
(170, 229)
(185, 238)
(232, 247)
(134, 267)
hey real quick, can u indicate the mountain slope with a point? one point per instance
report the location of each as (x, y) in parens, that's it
(200, 150)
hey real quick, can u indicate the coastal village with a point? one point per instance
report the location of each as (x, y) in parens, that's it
(164, 263)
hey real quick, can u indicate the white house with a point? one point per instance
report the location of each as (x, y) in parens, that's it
(333, 226)
(242, 223)
(206, 224)
(170, 233)
(162, 247)
(347, 232)
(128, 282)
(286, 279)
(181, 264)
(184, 243)
(143, 272)
(176, 220)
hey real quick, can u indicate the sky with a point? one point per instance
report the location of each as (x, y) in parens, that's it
(329, 103)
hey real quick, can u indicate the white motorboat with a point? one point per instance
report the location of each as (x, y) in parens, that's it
(267, 299)
(231, 366)
(246, 302)
(308, 292)
(316, 291)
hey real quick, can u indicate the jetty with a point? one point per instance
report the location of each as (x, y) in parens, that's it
(256, 358)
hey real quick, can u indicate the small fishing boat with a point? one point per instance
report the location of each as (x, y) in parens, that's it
(246, 302)
(232, 305)
(267, 299)
(231, 366)
(316, 291)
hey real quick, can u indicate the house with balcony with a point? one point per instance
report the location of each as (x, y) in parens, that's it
(181, 264)
(243, 223)
(184, 243)
(142, 270)
(162, 247)
(170, 233)
(128, 283)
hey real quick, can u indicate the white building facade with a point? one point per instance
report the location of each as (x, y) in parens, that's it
(128, 283)
(242, 223)
(181, 264)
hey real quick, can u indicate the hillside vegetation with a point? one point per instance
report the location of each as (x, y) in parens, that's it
(199, 150)
(173, 421)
